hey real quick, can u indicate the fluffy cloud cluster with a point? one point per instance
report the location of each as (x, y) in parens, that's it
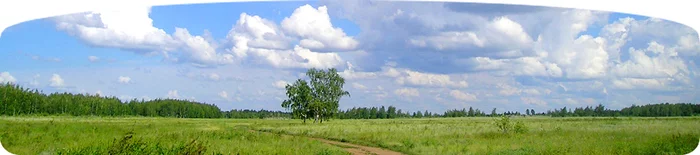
(252, 36)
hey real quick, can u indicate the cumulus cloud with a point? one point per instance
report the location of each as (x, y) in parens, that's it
(224, 95)
(500, 32)
(199, 51)
(358, 86)
(407, 92)
(124, 79)
(130, 29)
(261, 40)
(640, 65)
(427, 79)
(214, 76)
(280, 84)
(350, 73)
(462, 96)
(533, 101)
(6, 77)
(93, 58)
(56, 81)
(173, 94)
(306, 22)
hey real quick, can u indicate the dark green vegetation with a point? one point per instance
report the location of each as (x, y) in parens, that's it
(17, 100)
(318, 99)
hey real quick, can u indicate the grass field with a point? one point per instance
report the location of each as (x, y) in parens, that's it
(544, 135)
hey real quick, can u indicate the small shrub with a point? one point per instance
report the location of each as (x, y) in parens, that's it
(503, 124)
(520, 128)
(506, 126)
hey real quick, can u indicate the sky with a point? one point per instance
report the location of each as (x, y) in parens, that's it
(412, 55)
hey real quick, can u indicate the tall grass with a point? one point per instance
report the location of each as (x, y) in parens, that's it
(531, 135)
(535, 135)
(134, 135)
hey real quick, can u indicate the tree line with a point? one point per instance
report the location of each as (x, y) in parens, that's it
(16, 100)
(234, 113)
(650, 110)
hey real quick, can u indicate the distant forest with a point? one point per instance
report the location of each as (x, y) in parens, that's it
(16, 100)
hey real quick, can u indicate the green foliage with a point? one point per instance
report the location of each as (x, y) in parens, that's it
(234, 113)
(650, 110)
(506, 125)
(318, 99)
(520, 127)
(21, 101)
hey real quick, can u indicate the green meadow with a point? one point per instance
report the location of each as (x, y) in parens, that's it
(535, 135)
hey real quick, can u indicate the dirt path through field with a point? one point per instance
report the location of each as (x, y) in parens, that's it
(352, 148)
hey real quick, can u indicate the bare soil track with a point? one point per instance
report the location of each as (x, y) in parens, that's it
(352, 148)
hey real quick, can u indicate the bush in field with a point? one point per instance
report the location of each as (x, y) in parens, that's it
(505, 125)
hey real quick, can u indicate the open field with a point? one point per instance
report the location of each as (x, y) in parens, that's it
(544, 135)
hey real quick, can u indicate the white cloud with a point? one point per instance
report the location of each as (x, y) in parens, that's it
(532, 92)
(280, 84)
(5, 77)
(358, 86)
(199, 51)
(260, 39)
(508, 90)
(636, 83)
(501, 33)
(132, 29)
(306, 22)
(99, 92)
(124, 79)
(93, 58)
(533, 101)
(350, 74)
(56, 81)
(427, 79)
(224, 95)
(173, 94)
(214, 76)
(640, 65)
(462, 96)
(523, 66)
(407, 92)
(297, 58)
(127, 29)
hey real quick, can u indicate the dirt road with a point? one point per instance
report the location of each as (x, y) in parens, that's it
(352, 148)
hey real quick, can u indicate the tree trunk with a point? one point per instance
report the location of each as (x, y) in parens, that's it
(316, 119)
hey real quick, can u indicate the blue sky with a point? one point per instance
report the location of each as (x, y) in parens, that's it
(416, 56)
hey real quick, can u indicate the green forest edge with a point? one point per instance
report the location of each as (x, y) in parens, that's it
(19, 101)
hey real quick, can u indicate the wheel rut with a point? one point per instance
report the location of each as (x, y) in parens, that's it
(352, 148)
